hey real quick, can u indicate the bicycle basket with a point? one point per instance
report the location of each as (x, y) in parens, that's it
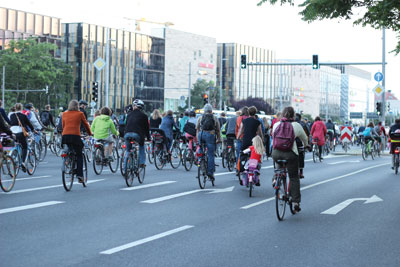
(252, 164)
(8, 144)
(158, 138)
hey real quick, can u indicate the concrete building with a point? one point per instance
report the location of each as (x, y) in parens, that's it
(188, 57)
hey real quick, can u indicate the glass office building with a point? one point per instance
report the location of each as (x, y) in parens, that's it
(15, 24)
(136, 64)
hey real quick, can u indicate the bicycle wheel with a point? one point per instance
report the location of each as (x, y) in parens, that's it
(36, 149)
(396, 164)
(372, 151)
(250, 188)
(201, 174)
(8, 173)
(231, 160)
(98, 161)
(150, 154)
(88, 153)
(115, 160)
(58, 145)
(159, 160)
(224, 158)
(364, 153)
(17, 160)
(141, 172)
(175, 157)
(85, 172)
(314, 155)
(129, 172)
(188, 159)
(280, 198)
(121, 163)
(67, 173)
(31, 162)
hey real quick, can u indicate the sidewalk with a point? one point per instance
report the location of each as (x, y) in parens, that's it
(353, 151)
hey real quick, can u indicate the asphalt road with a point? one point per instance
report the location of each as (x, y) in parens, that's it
(169, 221)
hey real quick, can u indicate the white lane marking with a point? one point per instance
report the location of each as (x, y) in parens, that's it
(339, 162)
(339, 207)
(319, 183)
(45, 187)
(32, 206)
(147, 185)
(146, 240)
(30, 178)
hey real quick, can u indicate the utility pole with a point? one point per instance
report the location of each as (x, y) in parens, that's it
(190, 86)
(384, 77)
(3, 86)
(107, 67)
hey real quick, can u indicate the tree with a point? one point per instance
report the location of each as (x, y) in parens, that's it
(378, 14)
(259, 103)
(200, 88)
(31, 65)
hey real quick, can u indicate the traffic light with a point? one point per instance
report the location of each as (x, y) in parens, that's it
(95, 91)
(378, 108)
(243, 61)
(205, 99)
(315, 64)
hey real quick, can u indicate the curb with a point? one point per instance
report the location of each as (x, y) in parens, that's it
(353, 153)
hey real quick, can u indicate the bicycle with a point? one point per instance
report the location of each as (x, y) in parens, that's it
(282, 190)
(367, 149)
(396, 160)
(131, 165)
(315, 150)
(162, 156)
(252, 174)
(88, 142)
(100, 160)
(69, 168)
(188, 155)
(202, 175)
(8, 168)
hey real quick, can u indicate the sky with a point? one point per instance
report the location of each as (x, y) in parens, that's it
(276, 27)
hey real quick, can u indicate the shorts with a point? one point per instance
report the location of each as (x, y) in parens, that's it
(330, 135)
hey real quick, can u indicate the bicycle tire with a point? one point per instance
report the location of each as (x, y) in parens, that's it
(396, 165)
(364, 153)
(17, 160)
(8, 173)
(280, 198)
(98, 161)
(67, 174)
(224, 159)
(31, 163)
(159, 160)
(43, 150)
(250, 189)
(58, 146)
(129, 173)
(372, 153)
(188, 159)
(141, 173)
(175, 157)
(150, 154)
(85, 172)
(314, 155)
(121, 164)
(88, 153)
(115, 161)
(231, 161)
(201, 175)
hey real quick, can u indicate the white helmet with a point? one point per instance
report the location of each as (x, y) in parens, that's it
(139, 103)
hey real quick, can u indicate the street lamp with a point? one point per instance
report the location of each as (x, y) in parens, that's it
(220, 83)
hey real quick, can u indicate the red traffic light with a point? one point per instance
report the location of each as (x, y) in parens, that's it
(205, 96)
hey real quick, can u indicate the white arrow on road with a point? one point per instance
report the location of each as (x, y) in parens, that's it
(212, 191)
(339, 207)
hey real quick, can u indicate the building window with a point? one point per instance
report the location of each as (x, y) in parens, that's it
(211, 58)
(199, 53)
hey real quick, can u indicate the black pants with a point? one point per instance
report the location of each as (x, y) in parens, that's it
(74, 142)
(267, 140)
(22, 140)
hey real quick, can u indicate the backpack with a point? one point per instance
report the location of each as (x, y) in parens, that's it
(121, 120)
(223, 129)
(45, 118)
(190, 128)
(207, 122)
(283, 136)
(367, 132)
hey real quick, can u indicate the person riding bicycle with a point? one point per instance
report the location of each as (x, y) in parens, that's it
(243, 115)
(82, 106)
(190, 129)
(167, 125)
(46, 117)
(330, 127)
(284, 150)
(101, 127)
(34, 119)
(71, 134)
(300, 145)
(208, 130)
(137, 128)
(371, 134)
(382, 134)
(230, 129)
(318, 131)
(394, 134)
(257, 149)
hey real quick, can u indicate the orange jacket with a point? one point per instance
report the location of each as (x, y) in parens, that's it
(71, 122)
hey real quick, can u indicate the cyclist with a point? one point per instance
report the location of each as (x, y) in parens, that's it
(46, 117)
(244, 115)
(291, 156)
(249, 128)
(155, 119)
(71, 134)
(167, 125)
(208, 130)
(318, 130)
(300, 145)
(382, 134)
(371, 134)
(101, 127)
(190, 129)
(230, 129)
(394, 134)
(257, 149)
(3, 113)
(330, 127)
(137, 128)
(34, 119)
(183, 120)
(82, 106)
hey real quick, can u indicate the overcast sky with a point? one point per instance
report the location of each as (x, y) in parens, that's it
(279, 28)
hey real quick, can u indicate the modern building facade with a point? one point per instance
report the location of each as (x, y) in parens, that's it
(16, 24)
(188, 57)
(136, 64)
(272, 83)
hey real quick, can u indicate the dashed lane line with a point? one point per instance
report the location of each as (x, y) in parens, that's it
(147, 185)
(31, 206)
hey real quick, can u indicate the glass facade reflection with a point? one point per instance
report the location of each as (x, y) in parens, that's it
(136, 67)
(15, 24)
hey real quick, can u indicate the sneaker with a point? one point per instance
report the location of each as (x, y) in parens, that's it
(258, 183)
(110, 159)
(240, 182)
(211, 177)
(142, 166)
(296, 207)
(392, 168)
(23, 168)
(80, 179)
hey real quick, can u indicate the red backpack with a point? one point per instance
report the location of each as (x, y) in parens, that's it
(283, 136)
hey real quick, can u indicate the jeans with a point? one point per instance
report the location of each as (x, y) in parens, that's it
(238, 147)
(136, 137)
(209, 140)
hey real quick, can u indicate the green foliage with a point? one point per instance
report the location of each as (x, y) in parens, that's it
(200, 88)
(31, 66)
(377, 14)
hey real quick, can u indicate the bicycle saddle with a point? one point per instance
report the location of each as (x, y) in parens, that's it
(281, 161)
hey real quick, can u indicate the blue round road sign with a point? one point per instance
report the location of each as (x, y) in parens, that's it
(378, 76)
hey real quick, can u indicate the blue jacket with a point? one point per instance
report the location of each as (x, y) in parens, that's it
(167, 125)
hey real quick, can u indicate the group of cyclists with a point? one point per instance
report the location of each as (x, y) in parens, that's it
(285, 138)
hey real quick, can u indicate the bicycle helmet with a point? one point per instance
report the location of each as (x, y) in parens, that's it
(139, 103)
(128, 108)
(28, 106)
(83, 102)
(192, 113)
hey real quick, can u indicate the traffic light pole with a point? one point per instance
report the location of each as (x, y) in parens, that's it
(384, 78)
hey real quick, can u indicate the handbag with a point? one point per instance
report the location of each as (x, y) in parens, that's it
(24, 131)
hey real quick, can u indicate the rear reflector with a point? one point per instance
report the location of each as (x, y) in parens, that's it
(63, 155)
(396, 151)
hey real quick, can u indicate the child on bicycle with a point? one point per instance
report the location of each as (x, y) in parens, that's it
(256, 151)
